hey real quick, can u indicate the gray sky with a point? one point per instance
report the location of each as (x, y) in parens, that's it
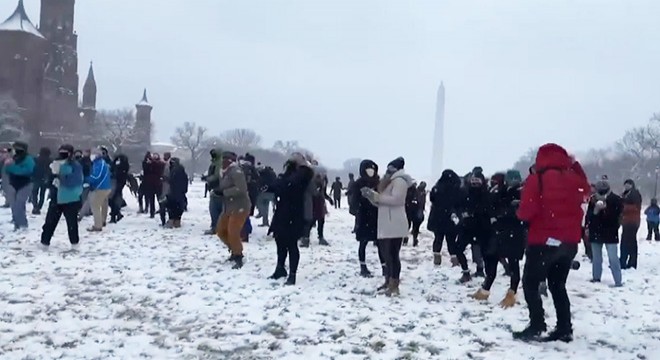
(358, 78)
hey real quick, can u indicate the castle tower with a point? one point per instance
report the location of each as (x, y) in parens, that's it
(438, 136)
(143, 121)
(88, 107)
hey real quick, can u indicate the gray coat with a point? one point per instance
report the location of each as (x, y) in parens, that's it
(392, 218)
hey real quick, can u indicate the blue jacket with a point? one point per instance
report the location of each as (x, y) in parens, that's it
(99, 178)
(653, 214)
(20, 172)
(71, 182)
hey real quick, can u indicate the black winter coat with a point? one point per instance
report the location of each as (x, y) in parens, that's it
(604, 226)
(475, 215)
(509, 230)
(290, 191)
(366, 214)
(445, 199)
(41, 171)
(178, 181)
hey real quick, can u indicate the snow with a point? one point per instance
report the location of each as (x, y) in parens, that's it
(139, 291)
(19, 21)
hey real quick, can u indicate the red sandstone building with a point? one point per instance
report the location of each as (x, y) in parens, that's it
(39, 69)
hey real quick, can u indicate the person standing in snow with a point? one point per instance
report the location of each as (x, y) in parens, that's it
(19, 168)
(65, 200)
(653, 220)
(315, 206)
(551, 203)
(4, 177)
(40, 179)
(120, 166)
(416, 212)
(175, 199)
(392, 220)
(632, 208)
(212, 179)
(336, 190)
(290, 221)
(443, 221)
(366, 214)
(475, 223)
(152, 182)
(267, 177)
(233, 191)
(603, 223)
(100, 186)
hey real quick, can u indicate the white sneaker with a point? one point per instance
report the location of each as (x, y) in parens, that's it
(75, 247)
(43, 247)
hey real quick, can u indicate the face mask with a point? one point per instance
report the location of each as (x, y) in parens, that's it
(603, 192)
(78, 157)
(370, 172)
(63, 155)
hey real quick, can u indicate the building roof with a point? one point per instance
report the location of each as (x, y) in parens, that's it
(19, 21)
(144, 101)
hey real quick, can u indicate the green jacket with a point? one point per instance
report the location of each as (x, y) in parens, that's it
(215, 171)
(235, 196)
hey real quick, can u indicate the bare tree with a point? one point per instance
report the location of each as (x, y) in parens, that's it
(244, 139)
(352, 165)
(193, 138)
(286, 147)
(11, 122)
(526, 161)
(116, 127)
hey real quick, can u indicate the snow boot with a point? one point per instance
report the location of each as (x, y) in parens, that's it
(384, 286)
(238, 262)
(169, 224)
(94, 229)
(364, 272)
(176, 224)
(392, 288)
(323, 242)
(437, 259)
(509, 300)
(564, 335)
(291, 280)
(278, 274)
(531, 332)
(466, 278)
(415, 241)
(481, 295)
(454, 261)
(209, 232)
(479, 273)
(304, 242)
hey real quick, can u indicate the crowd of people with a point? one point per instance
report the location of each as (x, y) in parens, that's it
(502, 219)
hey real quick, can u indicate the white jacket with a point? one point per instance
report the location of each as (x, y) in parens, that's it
(392, 218)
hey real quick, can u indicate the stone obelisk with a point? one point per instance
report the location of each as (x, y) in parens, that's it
(438, 136)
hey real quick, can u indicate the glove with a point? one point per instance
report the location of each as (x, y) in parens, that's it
(85, 185)
(455, 219)
(493, 220)
(55, 167)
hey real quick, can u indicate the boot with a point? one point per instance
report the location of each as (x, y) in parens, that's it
(323, 242)
(169, 224)
(364, 272)
(209, 232)
(246, 239)
(454, 261)
(466, 278)
(176, 224)
(437, 259)
(481, 295)
(304, 242)
(238, 262)
(291, 280)
(113, 219)
(94, 229)
(415, 241)
(509, 300)
(565, 335)
(531, 332)
(480, 272)
(384, 286)
(279, 273)
(392, 288)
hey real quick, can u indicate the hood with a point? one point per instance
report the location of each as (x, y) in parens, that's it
(552, 156)
(631, 182)
(402, 175)
(450, 179)
(44, 152)
(498, 178)
(367, 164)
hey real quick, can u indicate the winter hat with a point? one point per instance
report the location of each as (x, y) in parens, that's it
(21, 146)
(513, 176)
(229, 155)
(603, 184)
(629, 182)
(66, 147)
(249, 158)
(477, 170)
(397, 163)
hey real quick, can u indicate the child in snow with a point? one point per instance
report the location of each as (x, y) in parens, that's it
(653, 220)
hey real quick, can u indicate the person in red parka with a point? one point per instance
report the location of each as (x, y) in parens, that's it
(551, 204)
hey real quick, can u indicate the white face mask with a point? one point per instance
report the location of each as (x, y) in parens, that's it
(370, 172)
(93, 157)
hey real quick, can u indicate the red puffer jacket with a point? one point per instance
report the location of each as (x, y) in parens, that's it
(552, 197)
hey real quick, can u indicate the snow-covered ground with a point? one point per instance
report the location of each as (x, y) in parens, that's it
(139, 291)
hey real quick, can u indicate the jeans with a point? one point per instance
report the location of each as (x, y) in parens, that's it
(215, 209)
(629, 246)
(553, 263)
(653, 229)
(597, 261)
(38, 194)
(390, 250)
(55, 212)
(18, 203)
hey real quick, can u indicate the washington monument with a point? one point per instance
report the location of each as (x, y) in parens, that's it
(438, 136)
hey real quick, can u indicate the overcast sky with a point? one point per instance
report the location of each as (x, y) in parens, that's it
(359, 78)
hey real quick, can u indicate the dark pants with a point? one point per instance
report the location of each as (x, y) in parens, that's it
(174, 209)
(629, 246)
(653, 229)
(55, 212)
(287, 246)
(116, 200)
(390, 249)
(215, 209)
(38, 194)
(151, 196)
(416, 224)
(490, 264)
(449, 232)
(362, 252)
(320, 226)
(337, 203)
(553, 263)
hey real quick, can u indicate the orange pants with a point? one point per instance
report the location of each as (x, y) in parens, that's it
(229, 231)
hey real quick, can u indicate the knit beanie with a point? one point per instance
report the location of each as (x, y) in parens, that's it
(397, 163)
(513, 176)
(603, 184)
